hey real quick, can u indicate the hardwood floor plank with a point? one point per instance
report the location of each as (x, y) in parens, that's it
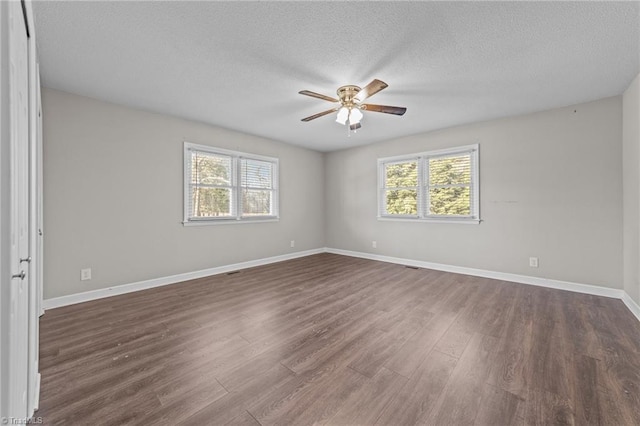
(459, 291)
(549, 359)
(234, 404)
(325, 400)
(499, 407)
(405, 324)
(587, 391)
(584, 336)
(412, 353)
(315, 351)
(415, 401)
(364, 406)
(244, 419)
(454, 340)
(241, 375)
(195, 395)
(379, 351)
(497, 311)
(546, 408)
(619, 372)
(317, 394)
(460, 399)
(510, 367)
(475, 309)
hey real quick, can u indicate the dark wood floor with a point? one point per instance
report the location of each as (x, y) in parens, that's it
(336, 340)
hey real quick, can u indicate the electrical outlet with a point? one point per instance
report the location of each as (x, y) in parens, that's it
(533, 262)
(374, 244)
(293, 243)
(85, 274)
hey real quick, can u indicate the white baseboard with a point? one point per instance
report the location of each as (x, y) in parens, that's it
(72, 299)
(36, 402)
(631, 304)
(503, 276)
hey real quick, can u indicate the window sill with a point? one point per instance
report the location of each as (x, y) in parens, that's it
(443, 220)
(205, 222)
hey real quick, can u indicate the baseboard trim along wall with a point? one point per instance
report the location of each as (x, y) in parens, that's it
(87, 296)
(36, 400)
(503, 276)
(631, 304)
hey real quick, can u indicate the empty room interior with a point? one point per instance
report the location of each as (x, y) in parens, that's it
(340, 213)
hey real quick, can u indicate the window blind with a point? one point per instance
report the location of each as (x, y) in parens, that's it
(211, 185)
(257, 183)
(400, 190)
(450, 189)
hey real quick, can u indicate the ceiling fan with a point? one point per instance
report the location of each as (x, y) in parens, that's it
(350, 106)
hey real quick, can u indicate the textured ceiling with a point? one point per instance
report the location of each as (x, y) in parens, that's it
(240, 65)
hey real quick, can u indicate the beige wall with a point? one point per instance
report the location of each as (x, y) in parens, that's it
(631, 188)
(550, 187)
(113, 197)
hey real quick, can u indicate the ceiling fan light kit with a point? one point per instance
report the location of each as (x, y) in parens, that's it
(350, 106)
(343, 115)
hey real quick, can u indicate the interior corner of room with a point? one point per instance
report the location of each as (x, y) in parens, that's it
(92, 192)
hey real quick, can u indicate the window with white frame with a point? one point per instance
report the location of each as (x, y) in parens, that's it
(222, 185)
(436, 185)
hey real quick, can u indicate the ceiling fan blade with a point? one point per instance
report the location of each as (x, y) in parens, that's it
(320, 114)
(385, 108)
(318, 95)
(370, 89)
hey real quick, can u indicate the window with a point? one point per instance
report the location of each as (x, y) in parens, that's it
(436, 185)
(222, 185)
(401, 187)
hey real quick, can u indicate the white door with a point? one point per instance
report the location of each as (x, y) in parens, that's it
(19, 219)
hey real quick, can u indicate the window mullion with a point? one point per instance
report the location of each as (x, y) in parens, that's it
(426, 188)
(187, 190)
(382, 205)
(238, 187)
(475, 188)
(419, 189)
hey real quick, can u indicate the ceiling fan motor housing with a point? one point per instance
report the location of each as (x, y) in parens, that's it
(347, 93)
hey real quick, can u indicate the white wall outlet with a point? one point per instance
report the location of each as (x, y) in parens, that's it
(374, 244)
(85, 274)
(293, 243)
(533, 262)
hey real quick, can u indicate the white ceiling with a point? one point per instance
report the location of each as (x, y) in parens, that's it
(240, 65)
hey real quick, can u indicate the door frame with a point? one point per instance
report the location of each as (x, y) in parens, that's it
(35, 204)
(20, 179)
